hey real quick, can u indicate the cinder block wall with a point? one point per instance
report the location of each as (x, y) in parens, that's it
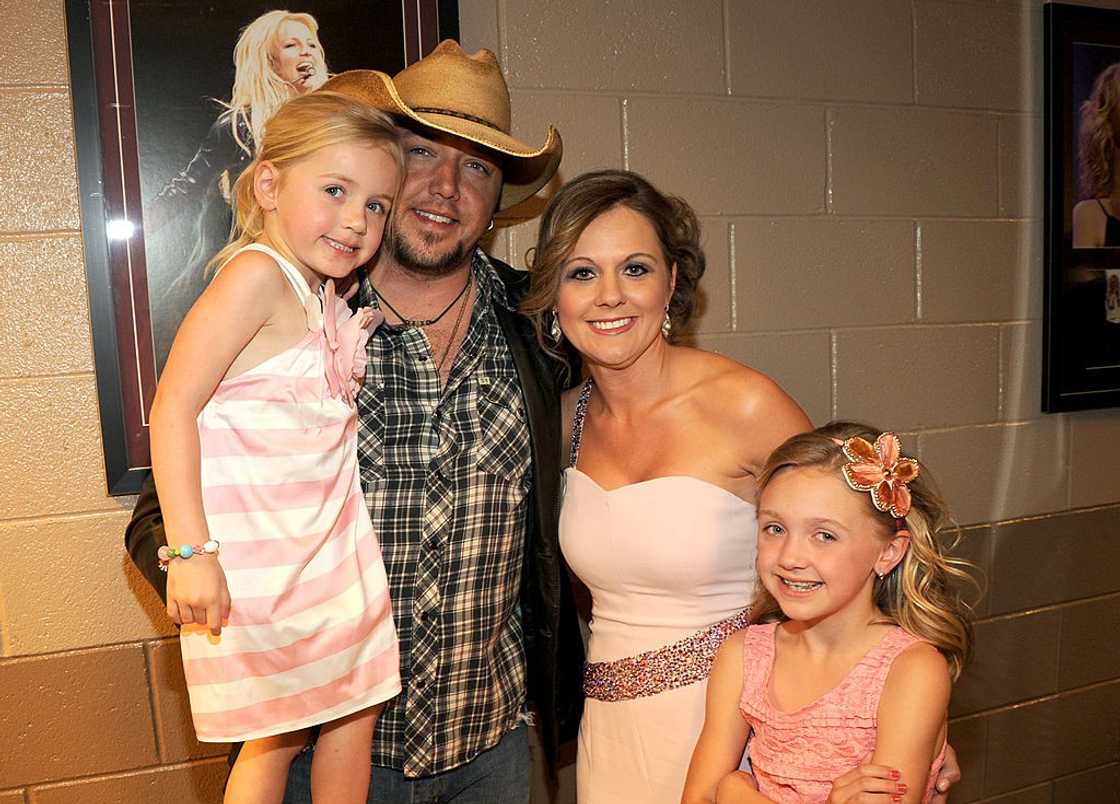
(867, 175)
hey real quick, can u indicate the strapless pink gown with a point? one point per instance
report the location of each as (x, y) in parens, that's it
(663, 559)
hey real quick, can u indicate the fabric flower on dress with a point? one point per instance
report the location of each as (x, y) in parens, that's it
(344, 342)
(882, 470)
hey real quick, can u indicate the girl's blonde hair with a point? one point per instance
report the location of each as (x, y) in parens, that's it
(258, 92)
(922, 594)
(301, 127)
(1098, 138)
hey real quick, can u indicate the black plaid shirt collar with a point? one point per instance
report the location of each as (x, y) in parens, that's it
(446, 477)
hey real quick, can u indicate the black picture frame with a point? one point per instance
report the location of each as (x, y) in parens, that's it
(127, 120)
(1081, 316)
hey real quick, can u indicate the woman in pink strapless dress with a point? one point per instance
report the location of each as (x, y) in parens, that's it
(657, 518)
(666, 560)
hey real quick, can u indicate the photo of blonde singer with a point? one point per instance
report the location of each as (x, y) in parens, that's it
(278, 56)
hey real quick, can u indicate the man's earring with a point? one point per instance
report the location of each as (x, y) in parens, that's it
(554, 328)
(491, 226)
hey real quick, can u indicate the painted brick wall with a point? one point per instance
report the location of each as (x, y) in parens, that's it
(867, 175)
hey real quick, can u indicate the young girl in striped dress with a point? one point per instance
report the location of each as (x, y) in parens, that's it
(274, 570)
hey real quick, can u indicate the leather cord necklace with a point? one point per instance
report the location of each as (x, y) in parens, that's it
(454, 331)
(413, 322)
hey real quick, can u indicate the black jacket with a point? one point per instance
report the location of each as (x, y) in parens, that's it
(554, 646)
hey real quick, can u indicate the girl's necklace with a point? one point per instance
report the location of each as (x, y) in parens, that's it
(454, 329)
(413, 322)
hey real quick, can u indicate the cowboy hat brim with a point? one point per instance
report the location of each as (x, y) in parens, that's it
(524, 169)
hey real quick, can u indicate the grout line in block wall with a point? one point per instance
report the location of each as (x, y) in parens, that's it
(914, 52)
(1001, 376)
(1053, 696)
(829, 208)
(625, 133)
(153, 704)
(918, 271)
(726, 47)
(768, 100)
(33, 379)
(833, 358)
(503, 43)
(14, 88)
(1068, 424)
(68, 516)
(859, 216)
(734, 279)
(5, 640)
(1049, 607)
(144, 770)
(40, 234)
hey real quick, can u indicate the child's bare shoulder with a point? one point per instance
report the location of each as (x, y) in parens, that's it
(252, 269)
(920, 671)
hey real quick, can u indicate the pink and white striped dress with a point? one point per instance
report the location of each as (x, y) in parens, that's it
(310, 636)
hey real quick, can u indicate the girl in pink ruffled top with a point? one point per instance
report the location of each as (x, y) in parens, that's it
(841, 689)
(274, 570)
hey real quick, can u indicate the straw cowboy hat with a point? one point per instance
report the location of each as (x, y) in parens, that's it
(463, 95)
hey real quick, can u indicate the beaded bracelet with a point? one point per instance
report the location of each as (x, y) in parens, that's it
(166, 553)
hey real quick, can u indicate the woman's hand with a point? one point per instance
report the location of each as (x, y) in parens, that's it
(197, 592)
(874, 784)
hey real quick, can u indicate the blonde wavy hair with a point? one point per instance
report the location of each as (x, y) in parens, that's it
(303, 126)
(1099, 138)
(922, 594)
(258, 92)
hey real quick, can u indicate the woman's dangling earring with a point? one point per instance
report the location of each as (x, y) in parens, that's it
(554, 328)
(667, 324)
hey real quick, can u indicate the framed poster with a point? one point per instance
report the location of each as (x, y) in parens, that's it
(169, 97)
(1081, 324)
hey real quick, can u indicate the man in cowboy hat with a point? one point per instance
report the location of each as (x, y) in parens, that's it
(459, 450)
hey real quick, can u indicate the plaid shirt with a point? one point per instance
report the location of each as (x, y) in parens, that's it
(446, 476)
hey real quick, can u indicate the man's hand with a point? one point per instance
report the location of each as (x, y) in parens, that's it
(197, 592)
(867, 784)
(949, 775)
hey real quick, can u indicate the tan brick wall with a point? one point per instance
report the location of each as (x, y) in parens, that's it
(867, 175)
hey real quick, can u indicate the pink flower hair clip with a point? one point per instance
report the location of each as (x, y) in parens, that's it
(881, 470)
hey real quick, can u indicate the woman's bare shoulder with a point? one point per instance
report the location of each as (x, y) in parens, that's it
(741, 391)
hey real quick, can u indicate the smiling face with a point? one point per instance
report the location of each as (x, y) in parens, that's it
(446, 203)
(297, 57)
(820, 546)
(613, 289)
(328, 211)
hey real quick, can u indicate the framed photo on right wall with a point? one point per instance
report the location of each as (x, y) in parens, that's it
(1081, 319)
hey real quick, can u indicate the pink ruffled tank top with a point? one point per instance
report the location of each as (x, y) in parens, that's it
(796, 755)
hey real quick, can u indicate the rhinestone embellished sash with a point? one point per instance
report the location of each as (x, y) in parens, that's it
(677, 665)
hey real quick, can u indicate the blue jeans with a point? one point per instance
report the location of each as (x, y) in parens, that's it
(497, 776)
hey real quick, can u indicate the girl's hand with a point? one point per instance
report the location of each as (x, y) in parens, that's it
(197, 592)
(873, 784)
(734, 786)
